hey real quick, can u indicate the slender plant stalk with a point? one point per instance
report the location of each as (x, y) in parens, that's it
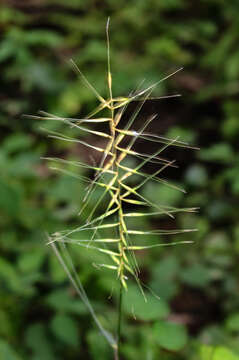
(115, 167)
(111, 175)
(119, 321)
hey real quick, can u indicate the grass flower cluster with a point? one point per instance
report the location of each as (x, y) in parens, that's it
(119, 201)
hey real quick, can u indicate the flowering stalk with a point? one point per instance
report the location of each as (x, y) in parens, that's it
(112, 175)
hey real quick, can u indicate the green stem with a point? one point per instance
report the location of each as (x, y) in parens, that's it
(119, 321)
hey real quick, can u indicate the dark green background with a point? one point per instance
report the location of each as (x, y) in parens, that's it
(41, 317)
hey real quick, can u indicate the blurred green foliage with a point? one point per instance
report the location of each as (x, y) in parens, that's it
(41, 317)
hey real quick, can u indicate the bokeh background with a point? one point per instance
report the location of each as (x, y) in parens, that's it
(197, 318)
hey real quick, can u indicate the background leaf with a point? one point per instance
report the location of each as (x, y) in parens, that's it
(66, 329)
(170, 336)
